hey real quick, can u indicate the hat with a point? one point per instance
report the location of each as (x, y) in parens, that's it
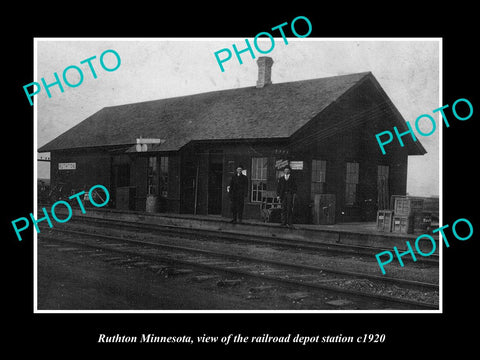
(287, 167)
(240, 166)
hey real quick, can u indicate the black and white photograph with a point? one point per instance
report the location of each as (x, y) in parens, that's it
(174, 178)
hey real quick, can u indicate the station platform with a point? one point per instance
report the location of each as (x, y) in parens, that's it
(359, 233)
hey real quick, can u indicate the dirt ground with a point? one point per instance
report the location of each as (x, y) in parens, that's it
(70, 278)
(71, 281)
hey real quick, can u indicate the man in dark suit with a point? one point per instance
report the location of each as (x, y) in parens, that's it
(238, 190)
(286, 191)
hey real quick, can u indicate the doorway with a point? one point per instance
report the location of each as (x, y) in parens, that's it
(215, 177)
(189, 185)
(123, 193)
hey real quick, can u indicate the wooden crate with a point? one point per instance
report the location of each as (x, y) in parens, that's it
(407, 205)
(384, 220)
(402, 224)
(422, 222)
(431, 204)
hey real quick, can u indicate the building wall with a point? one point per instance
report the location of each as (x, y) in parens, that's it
(337, 151)
(92, 168)
(98, 168)
(101, 167)
(351, 146)
(349, 136)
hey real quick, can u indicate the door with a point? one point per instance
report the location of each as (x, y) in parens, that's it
(215, 175)
(324, 209)
(189, 186)
(123, 194)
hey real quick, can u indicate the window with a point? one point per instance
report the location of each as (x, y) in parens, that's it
(351, 183)
(259, 178)
(319, 169)
(231, 166)
(152, 176)
(164, 176)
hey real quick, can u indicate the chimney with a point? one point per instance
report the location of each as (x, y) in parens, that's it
(264, 71)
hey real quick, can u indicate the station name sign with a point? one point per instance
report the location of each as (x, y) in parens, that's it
(67, 166)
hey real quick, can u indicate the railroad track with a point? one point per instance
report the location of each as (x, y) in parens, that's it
(198, 233)
(304, 277)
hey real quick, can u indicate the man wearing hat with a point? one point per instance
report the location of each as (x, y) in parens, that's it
(238, 190)
(286, 190)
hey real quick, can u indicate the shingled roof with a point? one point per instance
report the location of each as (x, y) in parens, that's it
(275, 111)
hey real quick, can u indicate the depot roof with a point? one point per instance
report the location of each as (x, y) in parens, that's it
(274, 111)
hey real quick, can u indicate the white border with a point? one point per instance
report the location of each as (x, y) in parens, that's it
(35, 263)
(440, 175)
(35, 181)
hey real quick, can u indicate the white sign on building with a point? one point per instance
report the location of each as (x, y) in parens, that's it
(296, 165)
(67, 166)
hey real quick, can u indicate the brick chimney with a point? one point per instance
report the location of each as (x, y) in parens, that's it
(264, 71)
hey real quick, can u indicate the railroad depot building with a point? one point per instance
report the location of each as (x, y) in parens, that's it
(324, 128)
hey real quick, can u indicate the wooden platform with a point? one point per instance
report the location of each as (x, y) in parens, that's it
(360, 233)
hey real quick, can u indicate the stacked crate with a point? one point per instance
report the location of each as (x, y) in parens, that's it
(407, 205)
(422, 222)
(408, 215)
(384, 220)
(402, 224)
(431, 208)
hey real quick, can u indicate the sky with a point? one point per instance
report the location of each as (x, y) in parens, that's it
(407, 69)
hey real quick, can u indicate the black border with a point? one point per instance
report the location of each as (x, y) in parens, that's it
(404, 332)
